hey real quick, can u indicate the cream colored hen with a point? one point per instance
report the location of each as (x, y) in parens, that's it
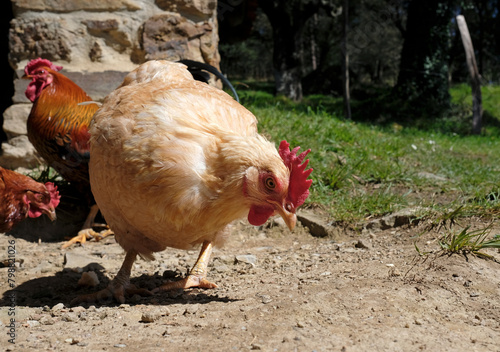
(174, 161)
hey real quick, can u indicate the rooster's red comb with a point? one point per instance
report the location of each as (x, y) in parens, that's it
(36, 63)
(298, 186)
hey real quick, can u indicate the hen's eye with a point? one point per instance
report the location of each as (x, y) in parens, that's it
(270, 183)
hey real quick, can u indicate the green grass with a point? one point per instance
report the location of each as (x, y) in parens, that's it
(366, 170)
(466, 241)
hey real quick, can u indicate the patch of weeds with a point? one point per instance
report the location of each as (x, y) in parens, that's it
(469, 242)
(45, 174)
(448, 218)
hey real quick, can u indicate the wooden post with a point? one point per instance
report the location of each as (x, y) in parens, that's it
(345, 63)
(477, 100)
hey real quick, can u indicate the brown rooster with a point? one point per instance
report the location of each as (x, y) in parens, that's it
(174, 161)
(58, 129)
(22, 197)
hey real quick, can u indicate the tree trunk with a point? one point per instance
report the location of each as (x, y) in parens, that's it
(288, 19)
(314, 58)
(345, 62)
(423, 73)
(477, 106)
(286, 53)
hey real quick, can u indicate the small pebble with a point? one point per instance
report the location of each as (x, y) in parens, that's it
(70, 317)
(149, 316)
(36, 317)
(266, 299)
(88, 279)
(120, 345)
(247, 258)
(78, 309)
(103, 315)
(192, 309)
(32, 323)
(362, 244)
(58, 306)
(72, 341)
(46, 320)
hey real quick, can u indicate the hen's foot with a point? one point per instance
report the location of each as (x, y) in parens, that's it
(87, 234)
(189, 281)
(115, 291)
(197, 275)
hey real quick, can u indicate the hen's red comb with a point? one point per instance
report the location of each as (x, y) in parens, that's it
(298, 186)
(36, 63)
(54, 194)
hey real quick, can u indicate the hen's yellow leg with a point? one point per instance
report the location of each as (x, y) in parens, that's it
(87, 232)
(117, 287)
(197, 275)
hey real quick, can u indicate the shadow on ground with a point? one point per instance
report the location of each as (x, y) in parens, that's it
(62, 288)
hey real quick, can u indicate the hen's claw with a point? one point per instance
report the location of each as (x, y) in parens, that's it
(118, 287)
(197, 275)
(87, 234)
(189, 281)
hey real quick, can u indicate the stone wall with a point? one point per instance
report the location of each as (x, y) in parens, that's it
(98, 42)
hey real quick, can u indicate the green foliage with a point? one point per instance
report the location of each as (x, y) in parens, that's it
(45, 174)
(465, 242)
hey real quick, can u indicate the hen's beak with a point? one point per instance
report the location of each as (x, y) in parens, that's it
(50, 212)
(288, 215)
(26, 77)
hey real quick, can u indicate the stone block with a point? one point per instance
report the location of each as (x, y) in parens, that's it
(18, 152)
(110, 31)
(195, 10)
(42, 37)
(14, 120)
(173, 37)
(74, 5)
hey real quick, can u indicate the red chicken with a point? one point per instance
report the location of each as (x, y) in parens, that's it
(58, 129)
(22, 197)
(174, 161)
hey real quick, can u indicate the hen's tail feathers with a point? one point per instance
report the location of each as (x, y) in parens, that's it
(197, 70)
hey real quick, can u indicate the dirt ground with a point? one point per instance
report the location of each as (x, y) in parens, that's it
(278, 291)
